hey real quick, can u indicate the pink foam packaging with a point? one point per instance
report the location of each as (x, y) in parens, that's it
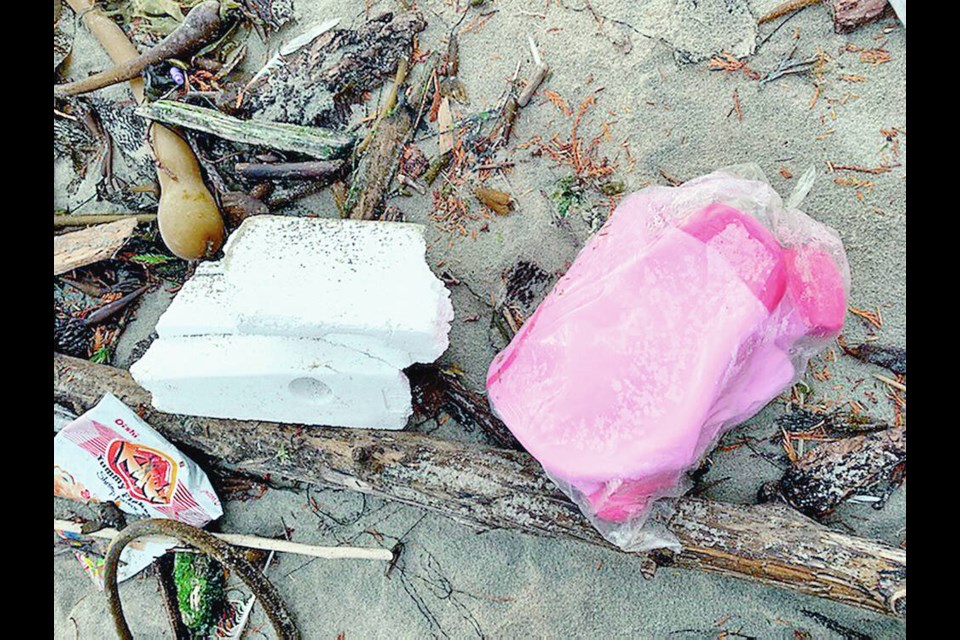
(686, 313)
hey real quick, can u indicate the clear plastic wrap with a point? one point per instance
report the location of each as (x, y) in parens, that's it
(686, 313)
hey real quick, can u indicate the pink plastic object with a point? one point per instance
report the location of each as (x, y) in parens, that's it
(689, 310)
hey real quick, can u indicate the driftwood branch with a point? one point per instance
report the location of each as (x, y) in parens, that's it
(313, 170)
(317, 142)
(492, 487)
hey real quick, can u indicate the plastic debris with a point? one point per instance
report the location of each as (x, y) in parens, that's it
(110, 455)
(305, 320)
(691, 309)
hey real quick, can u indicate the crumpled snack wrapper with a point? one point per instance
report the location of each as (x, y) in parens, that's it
(109, 454)
(684, 315)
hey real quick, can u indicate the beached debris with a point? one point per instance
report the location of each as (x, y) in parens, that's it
(339, 552)
(187, 213)
(490, 487)
(786, 8)
(497, 201)
(852, 14)
(64, 27)
(372, 179)
(889, 357)
(198, 27)
(540, 72)
(168, 592)
(229, 556)
(437, 388)
(835, 471)
(290, 293)
(110, 309)
(317, 81)
(830, 425)
(273, 13)
(308, 170)
(100, 242)
(523, 286)
(847, 14)
(71, 335)
(88, 219)
(317, 142)
(200, 587)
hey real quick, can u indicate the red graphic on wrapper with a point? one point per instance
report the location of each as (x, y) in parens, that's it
(148, 475)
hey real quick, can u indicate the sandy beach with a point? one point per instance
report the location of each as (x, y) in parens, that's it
(659, 111)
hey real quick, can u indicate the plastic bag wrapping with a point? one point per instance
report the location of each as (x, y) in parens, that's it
(109, 454)
(684, 315)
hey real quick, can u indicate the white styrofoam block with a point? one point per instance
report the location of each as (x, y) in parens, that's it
(900, 7)
(365, 282)
(201, 307)
(275, 378)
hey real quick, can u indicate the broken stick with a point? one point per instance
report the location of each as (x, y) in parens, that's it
(256, 542)
(892, 358)
(87, 219)
(539, 73)
(491, 487)
(311, 170)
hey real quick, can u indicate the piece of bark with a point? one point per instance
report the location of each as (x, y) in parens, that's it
(316, 142)
(445, 126)
(80, 248)
(892, 358)
(832, 472)
(374, 175)
(320, 81)
(492, 487)
(851, 14)
(370, 182)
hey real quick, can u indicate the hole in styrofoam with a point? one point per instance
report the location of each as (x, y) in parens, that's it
(310, 390)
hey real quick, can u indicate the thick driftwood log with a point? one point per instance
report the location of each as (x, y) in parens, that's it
(831, 473)
(492, 487)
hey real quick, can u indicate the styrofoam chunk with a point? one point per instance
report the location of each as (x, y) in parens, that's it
(200, 307)
(310, 277)
(307, 321)
(275, 378)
